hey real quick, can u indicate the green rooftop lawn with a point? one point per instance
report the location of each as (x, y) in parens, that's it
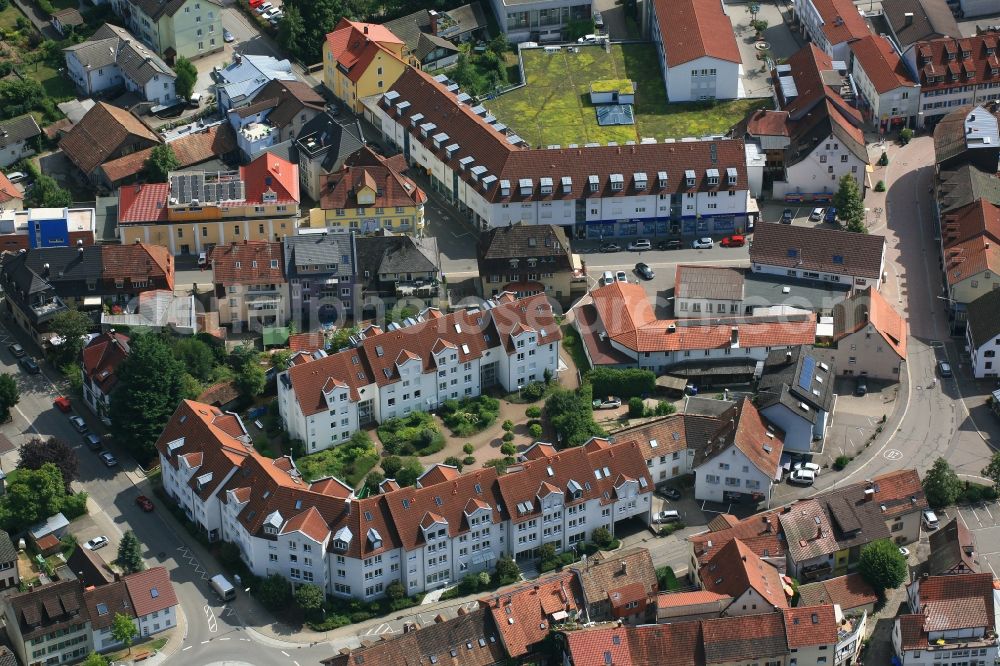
(554, 107)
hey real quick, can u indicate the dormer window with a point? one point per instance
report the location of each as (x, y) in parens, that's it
(971, 74)
(640, 180)
(661, 179)
(342, 539)
(416, 118)
(546, 185)
(505, 188)
(617, 182)
(966, 54)
(731, 176)
(426, 129)
(567, 184)
(439, 139)
(374, 538)
(593, 182)
(713, 176)
(926, 60)
(526, 185)
(451, 150)
(689, 177)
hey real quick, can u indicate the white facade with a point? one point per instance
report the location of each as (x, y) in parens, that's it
(820, 171)
(860, 282)
(900, 102)
(984, 357)
(702, 79)
(812, 23)
(538, 20)
(799, 430)
(208, 512)
(731, 470)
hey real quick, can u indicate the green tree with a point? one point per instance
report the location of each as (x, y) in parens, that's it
(123, 630)
(251, 379)
(454, 462)
(571, 415)
(187, 74)
(95, 659)
(10, 395)
(70, 325)
(601, 536)
(274, 592)
(160, 163)
(409, 472)
(342, 337)
(577, 28)
(197, 357)
(32, 495)
(310, 599)
(507, 570)
(636, 407)
(850, 207)
(46, 193)
(318, 18)
(36, 452)
(153, 382)
(992, 471)
(18, 96)
(291, 30)
(882, 565)
(941, 485)
(374, 480)
(395, 590)
(130, 553)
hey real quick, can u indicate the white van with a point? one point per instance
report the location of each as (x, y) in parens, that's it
(223, 587)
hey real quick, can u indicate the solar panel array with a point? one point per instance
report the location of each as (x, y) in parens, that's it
(807, 373)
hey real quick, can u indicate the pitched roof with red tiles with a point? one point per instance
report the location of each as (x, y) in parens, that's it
(151, 591)
(103, 602)
(143, 203)
(392, 189)
(272, 180)
(8, 190)
(308, 380)
(966, 260)
(744, 638)
(354, 45)
(761, 533)
(692, 29)
(513, 317)
(190, 149)
(307, 342)
(980, 218)
(657, 438)
(101, 358)
(735, 568)
(942, 63)
(220, 393)
(881, 64)
(948, 604)
(249, 262)
(523, 616)
(310, 522)
(101, 132)
(602, 574)
(869, 307)
(137, 262)
(810, 626)
(438, 473)
(680, 599)
(679, 644)
(842, 21)
(766, 122)
(849, 592)
(762, 445)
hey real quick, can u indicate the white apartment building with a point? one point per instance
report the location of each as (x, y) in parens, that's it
(423, 537)
(698, 187)
(538, 20)
(832, 25)
(416, 367)
(982, 334)
(888, 95)
(112, 57)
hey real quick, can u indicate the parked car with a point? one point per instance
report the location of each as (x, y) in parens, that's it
(271, 12)
(802, 477)
(16, 349)
(640, 245)
(78, 423)
(904, 551)
(703, 244)
(202, 259)
(62, 404)
(264, 7)
(621, 276)
(29, 365)
(108, 458)
(611, 247)
(786, 216)
(930, 520)
(736, 240)
(17, 176)
(92, 441)
(816, 215)
(598, 20)
(669, 245)
(227, 36)
(644, 271)
(668, 516)
(670, 493)
(275, 19)
(607, 278)
(812, 467)
(610, 402)
(944, 368)
(861, 388)
(97, 543)
(831, 214)
(144, 503)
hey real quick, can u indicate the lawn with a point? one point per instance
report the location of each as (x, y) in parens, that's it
(348, 462)
(554, 107)
(57, 86)
(8, 17)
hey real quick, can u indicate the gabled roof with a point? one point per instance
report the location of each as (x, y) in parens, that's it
(849, 592)
(943, 60)
(699, 281)
(391, 254)
(881, 63)
(966, 185)
(524, 615)
(952, 546)
(810, 626)
(980, 218)
(114, 45)
(930, 18)
(290, 98)
(983, 318)
(151, 591)
(154, 9)
(817, 249)
(8, 190)
(679, 644)
(269, 174)
(249, 262)
(191, 149)
(869, 307)
(841, 20)
(602, 574)
(101, 132)
(743, 427)
(693, 29)
(950, 603)
(47, 608)
(392, 188)
(18, 129)
(761, 533)
(101, 358)
(355, 45)
(658, 438)
(796, 376)
(736, 639)
(104, 602)
(735, 568)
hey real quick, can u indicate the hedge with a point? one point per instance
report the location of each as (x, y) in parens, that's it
(622, 383)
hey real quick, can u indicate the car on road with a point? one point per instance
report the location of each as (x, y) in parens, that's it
(144, 503)
(669, 245)
(816, 215)
(621, 276)
(108, 458)
(62, 404)
(944, 368)
(736, 240)
(929, 519)
(611, 247)
(640, 245)
(92, 441)
(668, 516)
(264, 7)
(29, 365)
(670, 493)
(703, 244)
(16, 349)
(97, 543)
(904, 551)
(831, 214)
(786, 216)
(644, 271)
(861, 387)
(78, 423)
(227, 36)
(802, 477)
(812, 467)
(610, 402)
(607, 278)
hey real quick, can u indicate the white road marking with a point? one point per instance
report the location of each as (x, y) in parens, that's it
(976, 515)
(285, 653)
(203, 642)
(187, 648)
(987, 507)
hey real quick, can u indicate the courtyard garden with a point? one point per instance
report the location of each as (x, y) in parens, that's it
(554, 107)
(417, 434)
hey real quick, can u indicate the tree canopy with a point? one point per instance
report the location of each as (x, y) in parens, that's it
(32, 496)
(10, 395)
(46, 193)
(161, 161)
(941, 485)
(992, 471)
(37, 452)
(70, 325)
(123, 630)
(187, 74)
(850, 206)
(572, 415)
(197, 356)
(130, 553)
(882, 565)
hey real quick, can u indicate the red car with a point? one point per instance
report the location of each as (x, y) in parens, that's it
(144, 503)
(734, 241)
(62, 404)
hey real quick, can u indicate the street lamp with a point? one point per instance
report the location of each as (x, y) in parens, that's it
(518, 391)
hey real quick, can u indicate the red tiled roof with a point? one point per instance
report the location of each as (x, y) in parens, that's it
(308, 379)
(392, 188)
(809, 626)
(734, 569)
(151, 591)
(143, 203)
(101, 133)
(881, 64)
(523, 615)
(679, 599)
(764, 122)
(191, 149)
(744, 638)
(870, 307)
(761, 533)
(761, 446)
(354, 45)
(932, 60)
(138, 262)
(438, 473)
(8, 190)
(841, 20)
(677, 644)
(307, 342)
(621, 597)
(269, 173)
(980, 218)
(249, 262)
(310, 522)
(969, 259)
(693, 29)
(101, 358)
(849, 592)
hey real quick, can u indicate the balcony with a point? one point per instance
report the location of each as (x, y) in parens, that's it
(264, 306)
(45, 308)
(419, 288)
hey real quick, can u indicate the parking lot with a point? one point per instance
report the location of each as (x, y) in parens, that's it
(855, 418)
(983, 520)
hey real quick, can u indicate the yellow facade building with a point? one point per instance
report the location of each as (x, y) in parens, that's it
(360, 60)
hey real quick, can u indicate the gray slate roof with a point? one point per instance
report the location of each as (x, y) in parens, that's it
(157, 8)
(18, 129)
(335, 142)
(966, 185)
(8, 553)
(397, 254)
(780, 382)
(427, 43)
(114, 45)
(319, 250)
(244, 79)
(984, 318)
(712, 282)
(931, 18)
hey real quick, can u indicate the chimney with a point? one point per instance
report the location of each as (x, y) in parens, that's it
(366, 29)
(624, 566)
(734, 338)
(908, 18)
(788, 355)
(434, 21)
(118, 576)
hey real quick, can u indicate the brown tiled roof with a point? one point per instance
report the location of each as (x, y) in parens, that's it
(810, 626)
(714, 282)
(151, 591)
(8, 190)
(106, 601)
(870, 307)
(817, 249)
(900, 492)
(137, 261)
(47, 608)
(762, 446)
(191, 149)
(765, 122)
(249, 262)
(746, 638)
(512, 317)
(101, 358)
(943, 60)
(220, 393)
(980, 218)
(735, 568)
(292, 97)
(956, 602)
(308, 379)
(657, 438)
(761, 533)
(523, 615)
(841, 20)
(307, 342)
(911, 631)
(693, 29)
(952, 546)
(849, 592)
(101, 132)
(599, 575)
(679, 644)
(88, 567)
(881, 64)
(930, 18)
(367, 169)
(520, 240)
(438, 473)
(969, 259)
(678, 599)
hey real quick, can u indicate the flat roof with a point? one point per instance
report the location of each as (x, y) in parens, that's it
(762, 290)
